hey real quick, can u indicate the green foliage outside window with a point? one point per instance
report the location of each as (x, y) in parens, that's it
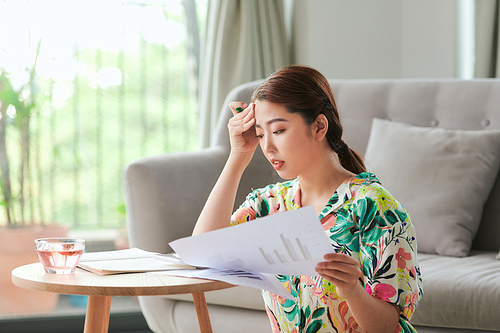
(113, 84)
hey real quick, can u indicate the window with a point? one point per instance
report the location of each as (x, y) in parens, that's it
(114, 81)
(465, 39)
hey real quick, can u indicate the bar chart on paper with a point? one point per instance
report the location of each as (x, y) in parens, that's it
(290, 253)
(288, 243)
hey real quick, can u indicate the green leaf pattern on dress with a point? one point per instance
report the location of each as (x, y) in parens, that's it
(363, 220)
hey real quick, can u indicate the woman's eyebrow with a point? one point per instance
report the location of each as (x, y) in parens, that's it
(272, 121)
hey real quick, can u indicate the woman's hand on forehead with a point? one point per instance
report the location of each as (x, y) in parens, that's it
(242, 129)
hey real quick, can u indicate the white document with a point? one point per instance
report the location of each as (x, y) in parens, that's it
(288, 243)
(125, 261)
(133, 253)
(137, 265)
(236, 277)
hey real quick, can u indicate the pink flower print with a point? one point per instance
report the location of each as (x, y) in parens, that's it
(275, 209)
(279, 299)
(297, 199)
(381, 291)
(350, 325)
(410, 304)
(288, 286)
(356, 181)
(307, 280)
(244, 215)
(274, 323)
(401, 257)
(413, 272)
(315, 286)
(328, 221)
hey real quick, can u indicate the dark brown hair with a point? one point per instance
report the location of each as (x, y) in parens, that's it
(306, 91)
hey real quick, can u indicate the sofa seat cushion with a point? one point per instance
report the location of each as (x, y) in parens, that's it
(238, 297)
(460, 292)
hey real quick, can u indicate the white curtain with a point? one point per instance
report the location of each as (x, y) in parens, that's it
(487, 53)
(245, 41)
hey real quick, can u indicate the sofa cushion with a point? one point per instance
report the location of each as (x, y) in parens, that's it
(239, 297)
(460, 292)
(173, 316)
(442, 177)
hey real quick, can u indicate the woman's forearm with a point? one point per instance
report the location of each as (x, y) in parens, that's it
(219, 206)
(217, 211)
(372, 314)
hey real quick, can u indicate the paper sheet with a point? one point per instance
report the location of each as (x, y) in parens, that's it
(133, 253)
(236, 277)
(288, 243)
(138, 265)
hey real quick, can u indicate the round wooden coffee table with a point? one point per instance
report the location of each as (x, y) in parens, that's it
(100, 289)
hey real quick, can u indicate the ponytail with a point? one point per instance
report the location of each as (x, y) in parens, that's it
(349, 158)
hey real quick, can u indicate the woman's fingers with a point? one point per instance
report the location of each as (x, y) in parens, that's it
(343, 271)
(237, 107)
(339, 268)
(241, 121)
(242, 129)
(249, 121)
(340, 257)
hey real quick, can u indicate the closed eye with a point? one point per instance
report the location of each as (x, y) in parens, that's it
(260, 136)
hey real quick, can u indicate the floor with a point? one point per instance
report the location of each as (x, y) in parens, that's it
(69, 317)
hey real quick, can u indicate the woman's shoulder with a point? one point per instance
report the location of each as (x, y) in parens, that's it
(367, 185)
(276, 189)
(367, 188)
(366, 182)
(364, 179)
(267, 200)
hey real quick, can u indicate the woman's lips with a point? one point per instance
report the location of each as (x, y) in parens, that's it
(277, 164)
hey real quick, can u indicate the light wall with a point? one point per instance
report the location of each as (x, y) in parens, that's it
(352, 39)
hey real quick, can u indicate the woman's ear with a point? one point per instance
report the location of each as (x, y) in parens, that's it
(320, 127)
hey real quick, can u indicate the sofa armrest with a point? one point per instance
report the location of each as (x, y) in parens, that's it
(165, 194)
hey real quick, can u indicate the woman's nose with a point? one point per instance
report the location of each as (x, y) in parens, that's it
(268, 145)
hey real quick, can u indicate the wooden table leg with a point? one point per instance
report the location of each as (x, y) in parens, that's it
(202, 311)
(97, 317)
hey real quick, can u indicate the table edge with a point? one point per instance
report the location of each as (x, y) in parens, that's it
(155, 290)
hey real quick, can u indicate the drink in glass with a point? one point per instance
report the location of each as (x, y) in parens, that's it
(59, 255)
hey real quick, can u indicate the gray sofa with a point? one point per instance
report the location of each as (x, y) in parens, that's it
(165, 194)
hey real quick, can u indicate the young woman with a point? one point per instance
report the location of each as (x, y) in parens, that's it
(371, 281)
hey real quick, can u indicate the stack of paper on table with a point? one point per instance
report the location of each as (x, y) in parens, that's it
(125, 261)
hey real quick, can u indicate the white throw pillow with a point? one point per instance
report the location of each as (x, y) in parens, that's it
(442, 177)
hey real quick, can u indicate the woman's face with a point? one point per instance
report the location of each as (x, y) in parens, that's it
(287, 142)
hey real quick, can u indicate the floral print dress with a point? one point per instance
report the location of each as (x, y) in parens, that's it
(362, 220)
